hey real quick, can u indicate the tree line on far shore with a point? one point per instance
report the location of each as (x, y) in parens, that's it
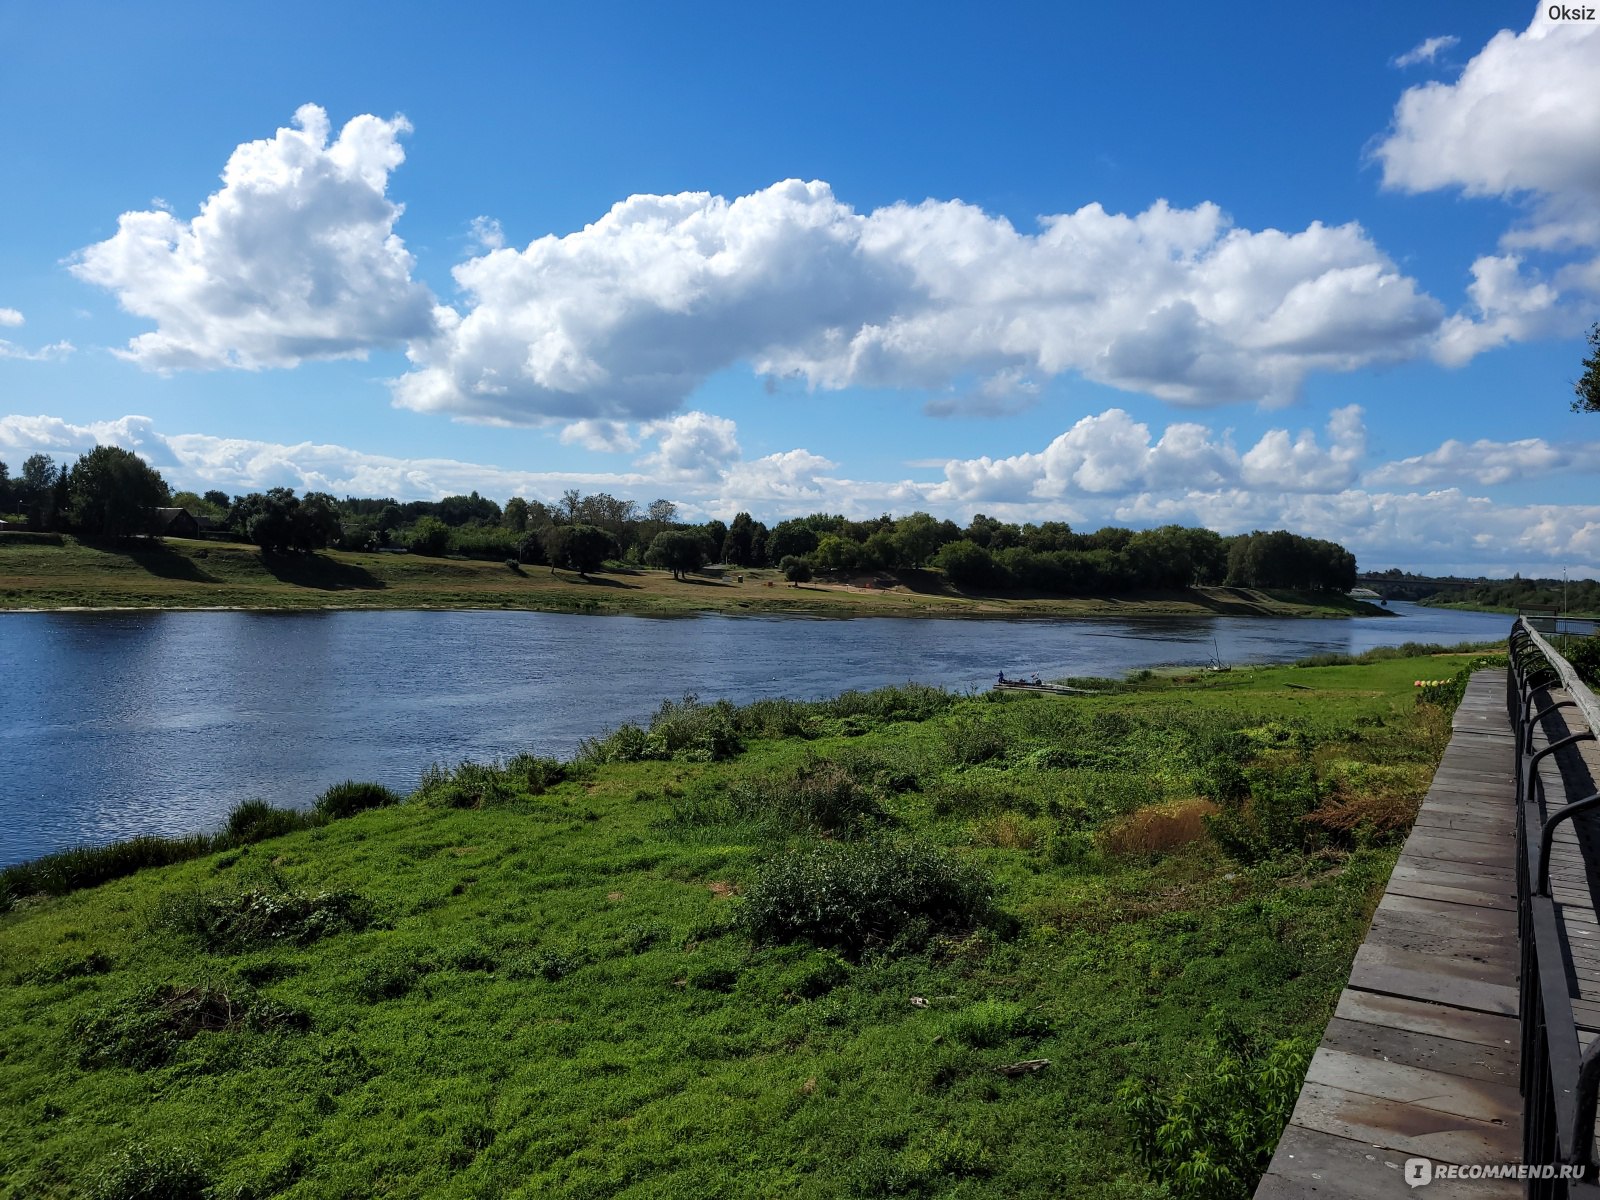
(110, 492)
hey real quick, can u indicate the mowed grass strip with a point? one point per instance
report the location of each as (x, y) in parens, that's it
(572, 979)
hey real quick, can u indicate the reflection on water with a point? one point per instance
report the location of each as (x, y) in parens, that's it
(120, 723)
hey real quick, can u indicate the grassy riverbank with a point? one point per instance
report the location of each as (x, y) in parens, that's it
(41, 574)
(812, 950)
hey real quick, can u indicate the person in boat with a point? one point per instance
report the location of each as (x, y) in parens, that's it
(1002, 678)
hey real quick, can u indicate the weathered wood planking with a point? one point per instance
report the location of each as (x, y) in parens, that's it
(1421, 1057)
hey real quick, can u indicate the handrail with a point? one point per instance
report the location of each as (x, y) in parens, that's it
(1560, 1084)
(1585, 699)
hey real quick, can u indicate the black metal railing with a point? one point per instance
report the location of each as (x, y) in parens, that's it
(1560, 1079)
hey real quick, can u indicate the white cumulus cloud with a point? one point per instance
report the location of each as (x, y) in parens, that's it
(295, 258)
(624, 318)
(691, 445)
(10, 316)
(1522, 123)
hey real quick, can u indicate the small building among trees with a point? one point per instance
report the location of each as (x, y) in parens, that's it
(174, 522)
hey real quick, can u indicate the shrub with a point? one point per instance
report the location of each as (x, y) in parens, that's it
(906, 702)
(144, 1030)
(777, 718)
(852, 896)
(1272, 821)
(969, 741)
(820, 794)
(89, 866)
(1584, 655)
(144, 1172)
(685, 730)
(348, 798)
(238, 921)
(1212, 1136)
(536, 775)
(255, 820)
(470, 785)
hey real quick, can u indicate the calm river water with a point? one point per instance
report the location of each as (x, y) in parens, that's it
(113, 724)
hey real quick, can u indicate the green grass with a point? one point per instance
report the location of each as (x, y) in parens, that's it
(58, 571)
(597, 978)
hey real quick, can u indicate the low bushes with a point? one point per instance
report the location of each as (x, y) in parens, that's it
(685, 730)
(250, 821)
(144, 1030)
(238, 921)
(348, 798)
(853, 896)
(821, 795)
(1211, 1136)
(89, 866)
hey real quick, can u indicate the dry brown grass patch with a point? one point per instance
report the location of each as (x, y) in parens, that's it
(1158, 828)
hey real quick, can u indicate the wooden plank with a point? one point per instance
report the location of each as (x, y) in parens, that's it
(1462, 984)
(1452, 895)
(1449, 914)
(1312, 1164)
(1418, 1087)
(1429, 870)
(1482, 946)
(1445, 1055)
(1406, 1128)
(1429, 1020)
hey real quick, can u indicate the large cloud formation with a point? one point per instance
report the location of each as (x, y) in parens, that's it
(294, 258)
(1521, 124)
(1106, 468)
(623, 319)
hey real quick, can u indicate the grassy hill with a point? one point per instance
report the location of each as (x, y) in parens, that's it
(893, 944)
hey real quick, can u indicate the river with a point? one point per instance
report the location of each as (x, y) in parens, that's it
(113, 724)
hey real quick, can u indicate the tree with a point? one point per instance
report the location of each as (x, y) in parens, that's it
(111, 492)
(968, 564)
(580, 548)
(795, 570)
(678, 551)
(738, 546)
(516, 515)
(429, 536)
(218, 500)
(790, 539)
(5, 487)
(664, 512)
(1588, 387)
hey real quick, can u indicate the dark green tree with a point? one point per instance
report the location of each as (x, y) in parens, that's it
(111, 492)
(739, 546)
(429, 536)
(679, 551)
(968, 565)
(516, 515)
(795, 570)
(580, 548)
(1588, 385)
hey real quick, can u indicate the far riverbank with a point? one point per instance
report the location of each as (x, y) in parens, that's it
(65, 574)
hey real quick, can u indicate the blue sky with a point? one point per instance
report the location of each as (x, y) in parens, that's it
(1246, 266)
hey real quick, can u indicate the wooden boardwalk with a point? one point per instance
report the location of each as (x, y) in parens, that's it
(1421, 1056)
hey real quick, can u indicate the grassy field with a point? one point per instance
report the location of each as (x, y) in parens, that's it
(63, 572)
(893, 944)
